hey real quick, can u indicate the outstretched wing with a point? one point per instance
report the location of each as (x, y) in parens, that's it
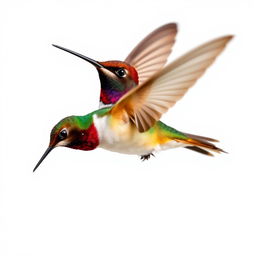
(151, 54)
(146, 103)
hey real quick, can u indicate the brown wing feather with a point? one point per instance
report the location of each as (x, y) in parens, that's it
(163, 90)
(151, 54)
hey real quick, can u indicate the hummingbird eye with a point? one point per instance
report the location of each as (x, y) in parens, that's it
(63, 134)
(121, 72)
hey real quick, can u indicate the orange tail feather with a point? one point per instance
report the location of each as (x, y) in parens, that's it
(201, 144)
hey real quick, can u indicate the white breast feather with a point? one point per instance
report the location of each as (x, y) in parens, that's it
(121, 139)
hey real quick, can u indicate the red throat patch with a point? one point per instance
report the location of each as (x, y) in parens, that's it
(88, 139)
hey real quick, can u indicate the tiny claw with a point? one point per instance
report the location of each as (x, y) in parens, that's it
(146, 157)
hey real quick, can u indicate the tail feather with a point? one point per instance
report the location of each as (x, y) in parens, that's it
(197, 137)
(201, 144)
(199, 150)
(206, 145)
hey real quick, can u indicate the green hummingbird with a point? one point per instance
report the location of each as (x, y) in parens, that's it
(148, 57)
(132, 125)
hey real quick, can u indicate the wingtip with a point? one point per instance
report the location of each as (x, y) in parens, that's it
(173, 26)
(224, 39)
(229, 37)
(169, 26)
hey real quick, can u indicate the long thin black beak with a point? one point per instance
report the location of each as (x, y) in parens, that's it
(48, 150)
(93, 62)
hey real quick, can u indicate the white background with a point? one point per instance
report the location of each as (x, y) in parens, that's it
(104, 203)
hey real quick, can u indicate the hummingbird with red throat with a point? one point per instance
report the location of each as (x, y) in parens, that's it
(132, 125)
(148, 57)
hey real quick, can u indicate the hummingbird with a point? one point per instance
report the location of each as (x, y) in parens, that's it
(132, 125)
(148, 57)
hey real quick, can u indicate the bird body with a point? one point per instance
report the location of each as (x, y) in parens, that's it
(103, 130)
(123, 137)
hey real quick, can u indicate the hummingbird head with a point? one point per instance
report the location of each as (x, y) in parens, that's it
(116, 77)
(74, 132)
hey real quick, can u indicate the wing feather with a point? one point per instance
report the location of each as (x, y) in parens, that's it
(151, 54)
(150, 100)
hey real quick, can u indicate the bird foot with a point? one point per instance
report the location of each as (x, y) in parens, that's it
(146, 157)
